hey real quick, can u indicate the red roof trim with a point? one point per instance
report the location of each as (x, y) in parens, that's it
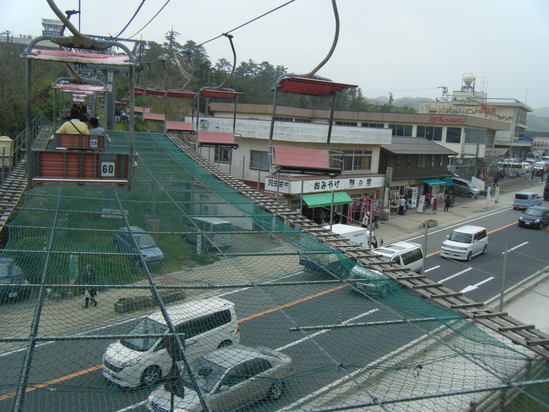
(216, 138)
(174, 125)
(310, 86)
(154, 116)
(139, 109)
(297, 158)
(155, 92)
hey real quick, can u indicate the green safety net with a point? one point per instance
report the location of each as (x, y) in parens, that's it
(199, 239)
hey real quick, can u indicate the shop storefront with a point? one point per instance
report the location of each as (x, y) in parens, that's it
(313, 196)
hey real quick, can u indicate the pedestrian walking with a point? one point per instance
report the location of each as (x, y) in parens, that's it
(446, 203)
(377, 218)
(435, 206)
(90, 293)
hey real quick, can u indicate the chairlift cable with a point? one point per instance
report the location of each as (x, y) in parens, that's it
(244, 24)
(150, 21)
(334, 43)
(133, 17)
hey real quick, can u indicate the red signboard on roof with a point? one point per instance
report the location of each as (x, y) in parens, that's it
(445, 119)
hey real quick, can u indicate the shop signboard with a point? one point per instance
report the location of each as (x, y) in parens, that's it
(322, 185)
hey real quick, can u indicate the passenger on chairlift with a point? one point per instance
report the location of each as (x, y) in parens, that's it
(73, 125)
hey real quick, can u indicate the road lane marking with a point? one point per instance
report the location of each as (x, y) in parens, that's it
(476, 285)
(290, 304)
(54, 381)
(322, 331)
(455, 275)
(515, 247)
(257, 315)
(433, 268)
(501, 228)
(462, 223)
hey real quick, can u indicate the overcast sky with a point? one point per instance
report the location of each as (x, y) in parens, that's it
(406, 47)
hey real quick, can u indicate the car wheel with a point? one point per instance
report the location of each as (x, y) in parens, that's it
(225, 343)
(151, 375)
(469, 256)
(275, 391)
(485, 249)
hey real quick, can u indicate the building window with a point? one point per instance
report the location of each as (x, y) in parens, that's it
(408, 161)
(476, 136)
(373, 125)
(401, 129)
(441, 161)
(357, 159)
(259, 160)
(430, 132)
(453, 135)
(398, 162)
(223, 154)
(421, 161)
(346, 123)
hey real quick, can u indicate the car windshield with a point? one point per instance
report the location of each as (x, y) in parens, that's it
(206, 374)
(461, 237)
(145, 327)
(521, 196)
(144, 241)
(534, 212)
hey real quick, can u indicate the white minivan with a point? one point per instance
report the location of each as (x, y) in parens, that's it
(408, 254)
(465, 242)
(208, 324)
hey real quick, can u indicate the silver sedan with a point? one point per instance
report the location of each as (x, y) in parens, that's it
(229, 378)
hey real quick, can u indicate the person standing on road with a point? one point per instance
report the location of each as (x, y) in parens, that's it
(435, 205)
(90, 292)
(446, 203)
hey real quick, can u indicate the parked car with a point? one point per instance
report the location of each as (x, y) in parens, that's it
(10, 273)
(371, 281)
(524, 200)
(535, 216)
(407, 254)
(229, 378)
(208, 324)
(464, 187)
(465, 242)
(146, 245)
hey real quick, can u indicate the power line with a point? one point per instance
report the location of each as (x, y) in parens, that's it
(244, 24)
(133, 17)
(150, 21)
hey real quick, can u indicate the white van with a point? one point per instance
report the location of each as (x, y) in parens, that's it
(407, 254)
(465, 242)
(212, 228)
(208, 324)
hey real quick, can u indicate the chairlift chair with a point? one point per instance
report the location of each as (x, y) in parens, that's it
(50, 163)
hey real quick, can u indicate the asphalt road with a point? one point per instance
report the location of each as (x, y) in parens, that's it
(75, 375)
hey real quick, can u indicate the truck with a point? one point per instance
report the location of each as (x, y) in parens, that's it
(356, 234)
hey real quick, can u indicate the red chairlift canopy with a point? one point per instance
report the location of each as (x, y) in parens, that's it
(310, 86)
(219, 93)
(155, 92)
(215, 138)
(139, 109)
(67, 56)
(187, 94)
(77, 87)
(298, 159)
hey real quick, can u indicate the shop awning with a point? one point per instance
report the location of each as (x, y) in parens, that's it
(325, 199)
(437, 182)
